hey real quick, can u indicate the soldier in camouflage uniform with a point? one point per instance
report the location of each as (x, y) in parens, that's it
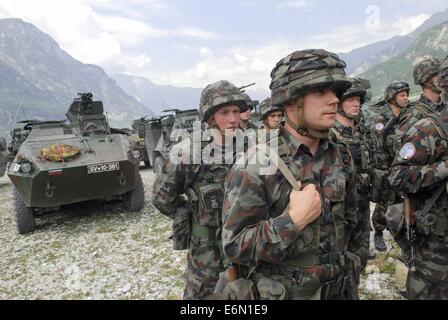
(293, 242)
(271, 116)
(425, 75)
(197, 221)
(420, 170)
(384, 125)
(245, 122)
(350, 131)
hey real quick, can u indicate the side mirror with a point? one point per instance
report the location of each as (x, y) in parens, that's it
(2, 144)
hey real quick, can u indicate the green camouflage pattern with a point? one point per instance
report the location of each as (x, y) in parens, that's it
(204, 259)
(357, 89)
(302, 71)
(266, 108)
(425, 70)
(383, 144)
(412, 113)
(418, 174)
(258, 231)
(442, 77)
(218, 94)
(353, 138)
(394, 88)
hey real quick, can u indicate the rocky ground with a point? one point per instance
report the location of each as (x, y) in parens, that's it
(99, 251)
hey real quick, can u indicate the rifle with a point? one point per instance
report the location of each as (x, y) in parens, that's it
(390, 124)
(411, 235)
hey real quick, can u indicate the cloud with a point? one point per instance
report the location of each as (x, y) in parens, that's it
(296, 4)
(195, 33)
(405, 25)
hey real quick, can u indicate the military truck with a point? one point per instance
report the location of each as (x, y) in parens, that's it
(3, 156)
(64, 163)
(161, 133)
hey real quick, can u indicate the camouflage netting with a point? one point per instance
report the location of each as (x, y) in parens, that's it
(60, 152)
(219, 94)
(304, 71)
(425, 70)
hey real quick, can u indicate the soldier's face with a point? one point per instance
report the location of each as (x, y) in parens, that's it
(352, 106)
(245, 116)
(319, 109)
(226, 118)
(273, 119)
(402, 98)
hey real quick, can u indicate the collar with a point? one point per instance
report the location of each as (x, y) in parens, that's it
(294, 145)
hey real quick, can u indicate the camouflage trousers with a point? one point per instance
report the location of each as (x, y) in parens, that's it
(420, 288)
(359, 240)
(204, 263)
(379, 214)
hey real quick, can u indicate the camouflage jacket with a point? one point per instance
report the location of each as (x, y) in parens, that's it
(384, 141)
(412, 113)
(182, 178)
(419, 168)
(355, 141)
(257, 227)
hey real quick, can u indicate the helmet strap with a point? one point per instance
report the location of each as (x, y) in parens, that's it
(301, 128)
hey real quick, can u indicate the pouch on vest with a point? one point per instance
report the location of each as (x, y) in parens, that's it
(210, 204)
(270, 289)
(182, 229)
(240, 289)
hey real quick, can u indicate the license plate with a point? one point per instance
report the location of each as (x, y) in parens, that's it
(103, 167)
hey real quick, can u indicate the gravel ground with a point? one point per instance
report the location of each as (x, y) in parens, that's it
(98, 251)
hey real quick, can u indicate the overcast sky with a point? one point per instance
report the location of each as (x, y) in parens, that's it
(193, 43)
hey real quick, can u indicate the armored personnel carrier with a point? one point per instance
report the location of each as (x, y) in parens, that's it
(161, 133)
(85, 159)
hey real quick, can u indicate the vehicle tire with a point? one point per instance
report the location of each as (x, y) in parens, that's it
(158, 164)
(147, 164)
(135, 199)
(23, 215)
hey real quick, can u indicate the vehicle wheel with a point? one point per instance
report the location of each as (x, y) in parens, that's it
(135, 199)
(158, 164)
(23, 215)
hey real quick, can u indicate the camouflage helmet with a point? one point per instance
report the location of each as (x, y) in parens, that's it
(217, 95)
(305, 71)
(442, 77)
(425, 70)
(394, 88)
(356, 90)
(266, 108)
(249, 101)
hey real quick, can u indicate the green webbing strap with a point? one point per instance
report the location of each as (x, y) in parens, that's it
(289, 176)
(206, 233)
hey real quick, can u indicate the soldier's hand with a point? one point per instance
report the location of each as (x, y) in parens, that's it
(304, 206)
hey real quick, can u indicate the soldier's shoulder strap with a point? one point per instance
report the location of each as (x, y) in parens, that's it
(280, 164)
(441, 126)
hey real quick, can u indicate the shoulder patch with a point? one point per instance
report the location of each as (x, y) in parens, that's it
(407, 151)
(379, 126)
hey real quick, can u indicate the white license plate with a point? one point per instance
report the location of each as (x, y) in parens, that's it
(103, 167)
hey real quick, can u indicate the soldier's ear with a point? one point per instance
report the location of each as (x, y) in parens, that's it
(211, 121)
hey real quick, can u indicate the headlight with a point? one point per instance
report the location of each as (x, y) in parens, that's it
(26, 167)
(135, 154)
